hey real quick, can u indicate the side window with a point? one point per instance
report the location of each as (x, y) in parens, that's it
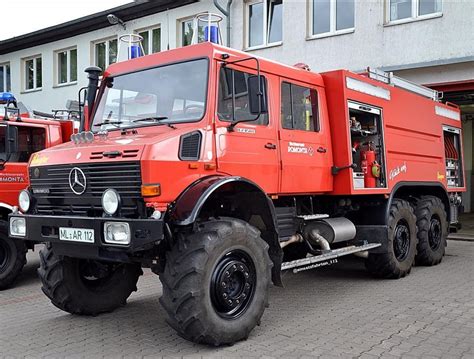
(299, 108)
(30, 140)
(233, 102)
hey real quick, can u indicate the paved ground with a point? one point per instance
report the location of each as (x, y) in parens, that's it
(330, 312)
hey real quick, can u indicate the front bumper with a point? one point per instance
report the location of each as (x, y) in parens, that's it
(144, 234)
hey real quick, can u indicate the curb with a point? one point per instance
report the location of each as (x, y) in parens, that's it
(461, 237)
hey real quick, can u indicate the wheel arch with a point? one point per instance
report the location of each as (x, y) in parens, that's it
(5, 210)
(410, 190)
(227, 196)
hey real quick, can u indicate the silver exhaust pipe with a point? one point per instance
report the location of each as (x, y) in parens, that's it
(295, 238)
(319, 240)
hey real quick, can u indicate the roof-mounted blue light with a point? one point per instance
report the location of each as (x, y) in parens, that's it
(6, 97)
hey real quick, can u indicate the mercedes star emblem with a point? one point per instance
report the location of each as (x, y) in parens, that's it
(77, 181)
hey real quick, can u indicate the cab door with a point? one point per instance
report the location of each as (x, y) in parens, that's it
(250, 149)
(304, 142)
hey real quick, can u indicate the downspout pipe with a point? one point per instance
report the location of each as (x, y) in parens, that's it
(227, 14)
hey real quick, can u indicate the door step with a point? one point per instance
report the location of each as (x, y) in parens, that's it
(325, 259)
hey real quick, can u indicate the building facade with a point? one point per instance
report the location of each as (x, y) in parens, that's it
(429, 42)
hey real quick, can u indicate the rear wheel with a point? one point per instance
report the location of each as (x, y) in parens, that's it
(431, 220)
(215, 282)
(12, 258)
(401, 250)
(86, 287)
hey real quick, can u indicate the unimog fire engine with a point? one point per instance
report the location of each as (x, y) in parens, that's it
(218, 170)
(20, 137)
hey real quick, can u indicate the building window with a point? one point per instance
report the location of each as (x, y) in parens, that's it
(264, 22)
(187, 31)
(328, 17)
(412, 9)
(33, 73)
(105, 53)
(66, 62)
(5, 78)
(151, 40)
(299, 108)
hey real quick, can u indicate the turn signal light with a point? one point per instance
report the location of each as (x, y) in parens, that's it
(151, 190)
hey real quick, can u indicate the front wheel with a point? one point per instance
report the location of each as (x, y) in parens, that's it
(398, 260)
(86, 287)
(216, 281)
(12, 259)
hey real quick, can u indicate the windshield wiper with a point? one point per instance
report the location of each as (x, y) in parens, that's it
(113, 123)
(156, 119)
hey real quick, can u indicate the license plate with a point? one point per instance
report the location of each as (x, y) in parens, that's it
(76, 235)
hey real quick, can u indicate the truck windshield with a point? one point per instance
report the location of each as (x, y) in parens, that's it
(168, 94)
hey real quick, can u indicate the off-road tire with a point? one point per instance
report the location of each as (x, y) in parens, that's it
(188, 280)
(67, 288)
(12, 258)
(432, 223)
(398, 259)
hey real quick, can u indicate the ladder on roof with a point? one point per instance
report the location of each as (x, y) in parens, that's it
(390, 79)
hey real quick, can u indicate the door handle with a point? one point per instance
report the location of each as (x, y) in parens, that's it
(271, 146)
(322, 150)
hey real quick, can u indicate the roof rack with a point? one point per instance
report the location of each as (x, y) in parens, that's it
(390, 79)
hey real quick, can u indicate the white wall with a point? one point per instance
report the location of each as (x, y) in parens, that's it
(372, 43)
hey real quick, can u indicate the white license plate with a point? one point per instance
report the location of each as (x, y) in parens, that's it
(76, 235)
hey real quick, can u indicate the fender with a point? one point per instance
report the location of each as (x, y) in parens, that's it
(402, 189)
(188, 206)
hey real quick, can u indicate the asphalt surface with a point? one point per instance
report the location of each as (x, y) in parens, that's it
(337, 311)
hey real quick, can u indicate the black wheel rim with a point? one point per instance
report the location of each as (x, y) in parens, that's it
(401, 240)
(95, 274)
(435, 233)
(233, 284)
(4, 256)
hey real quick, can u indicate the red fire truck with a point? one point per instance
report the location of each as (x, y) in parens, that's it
(20, 137)
(218, 170)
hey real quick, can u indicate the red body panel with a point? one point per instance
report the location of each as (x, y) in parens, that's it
(413, 133)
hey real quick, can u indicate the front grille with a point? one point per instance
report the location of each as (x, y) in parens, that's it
(54, 196)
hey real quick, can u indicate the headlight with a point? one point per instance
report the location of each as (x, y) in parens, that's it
(110, 201)
(17, 227)
(117, 233)
(24, 200)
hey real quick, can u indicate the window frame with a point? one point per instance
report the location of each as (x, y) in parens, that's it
(6, 80)
(68, 50)
(332, 22)
(235, 95)
(150, 30)
(35, 73)
(107, 51)
(317, 124)
(415, 9)
(266, 26)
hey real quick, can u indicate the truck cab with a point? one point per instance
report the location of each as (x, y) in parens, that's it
(20, 137)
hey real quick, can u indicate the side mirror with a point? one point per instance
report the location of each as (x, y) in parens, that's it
(257, 95)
